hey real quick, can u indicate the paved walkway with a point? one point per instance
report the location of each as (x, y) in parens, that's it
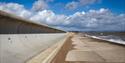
(87, 50)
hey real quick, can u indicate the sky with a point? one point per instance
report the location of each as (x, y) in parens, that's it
(71, 15)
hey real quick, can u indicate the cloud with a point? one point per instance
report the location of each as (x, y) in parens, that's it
(96, 20)
(40, 5)
(15, 8)
(49, 17)
(12, 7)
(49, 0)
(71, 5)
(42, 16)
(93, 20)
(74, 4)
(86, 2)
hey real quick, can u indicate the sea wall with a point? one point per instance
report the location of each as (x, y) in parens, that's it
(11, 24)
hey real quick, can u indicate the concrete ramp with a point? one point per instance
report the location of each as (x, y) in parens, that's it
(17, 48)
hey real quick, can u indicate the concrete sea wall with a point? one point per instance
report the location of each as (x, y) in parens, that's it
(11, 24)
(21, 39)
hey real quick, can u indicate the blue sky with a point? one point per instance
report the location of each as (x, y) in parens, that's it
(71, 15)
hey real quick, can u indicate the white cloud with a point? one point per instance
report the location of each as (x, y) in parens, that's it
(49, 17)
(15, 8)
(93, 20)
(71, 5)
(49, 0)
(74, 4)
(42, 16)
(86, 2)
(40, 5)
(12, 7)
(25, 14)
(97, 20)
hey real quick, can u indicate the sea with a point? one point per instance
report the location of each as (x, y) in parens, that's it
(115, 37)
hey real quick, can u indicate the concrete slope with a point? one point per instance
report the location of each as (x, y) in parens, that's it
(17, 48)
(11, 24)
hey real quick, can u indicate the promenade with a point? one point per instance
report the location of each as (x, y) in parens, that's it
(88, 50)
